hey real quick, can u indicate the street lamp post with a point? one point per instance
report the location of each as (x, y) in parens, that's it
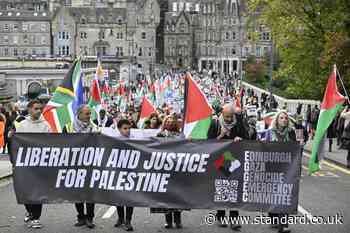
(271, 70)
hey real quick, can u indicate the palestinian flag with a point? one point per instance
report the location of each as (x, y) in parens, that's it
(95, 100)
(60, 110)
(198, 112)
(331, 104)
(146, 110)
(227, 163)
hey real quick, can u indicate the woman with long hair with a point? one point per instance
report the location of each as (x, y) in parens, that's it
(281, 131)
(153, 121)
(170, 129)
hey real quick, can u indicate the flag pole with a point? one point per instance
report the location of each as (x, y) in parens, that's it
(342, 83)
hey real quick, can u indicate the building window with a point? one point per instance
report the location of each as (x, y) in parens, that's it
(15, 52)
(266, 50)
(181, 6)
(233, 51)
(119, 52)
(258, 51)
(15, 39)
(6, 39)
(25, 27)
(33, 51)
(67, 51)
(43, 27)
(227, 36)
(63, 35)
(140, 52)
(6, 52)
(143, 35)
(265, 36)
(6, 27)
(102, 20)
(174, 6)
(188, 6)
(233, 35)
(83, 35)
(15, 27)
(43, 40)
(25, 39)
(32, 39)
(83, 20)
(150, 52)
(197, 8)
(120, 35)
(63, 50)
(182, 27)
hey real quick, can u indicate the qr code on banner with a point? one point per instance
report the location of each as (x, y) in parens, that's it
(225, 190)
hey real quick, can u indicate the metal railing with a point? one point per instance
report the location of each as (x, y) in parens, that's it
(292, 104)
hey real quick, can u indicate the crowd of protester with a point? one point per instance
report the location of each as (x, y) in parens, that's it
(230, 121)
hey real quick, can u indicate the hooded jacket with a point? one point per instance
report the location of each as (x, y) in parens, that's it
(30, 126)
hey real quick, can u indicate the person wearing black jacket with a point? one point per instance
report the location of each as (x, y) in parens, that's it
(229, 125)
(103, 120)
(281, 131)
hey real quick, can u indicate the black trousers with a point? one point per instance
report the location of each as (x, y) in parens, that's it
(90, 210)
(174, 215)
(276, 219)
(128, 213)
(221, 213)
(34, 210)
(348, 157)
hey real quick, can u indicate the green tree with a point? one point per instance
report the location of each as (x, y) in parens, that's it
(255, 71)
(303, 32)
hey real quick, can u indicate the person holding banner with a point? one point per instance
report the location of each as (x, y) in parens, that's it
(171, 129)
(35, 123)
(229, 125)
(82, 124)
(281, 131)
(124, 126)
(153, 122)
(103, 120)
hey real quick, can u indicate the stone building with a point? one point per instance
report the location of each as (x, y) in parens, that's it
(178, 40)
(24, 28)
(24, 33)
(117, 30)
(220, 40)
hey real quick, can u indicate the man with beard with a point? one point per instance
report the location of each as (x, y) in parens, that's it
(82, 124)
(34, 123)
(229, 125)
(103, 120)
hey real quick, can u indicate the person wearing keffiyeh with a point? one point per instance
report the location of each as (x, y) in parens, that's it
(281, 131)
(82, 124)
(230, 125)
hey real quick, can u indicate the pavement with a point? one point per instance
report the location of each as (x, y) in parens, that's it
(5, 167)
(336, 155)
